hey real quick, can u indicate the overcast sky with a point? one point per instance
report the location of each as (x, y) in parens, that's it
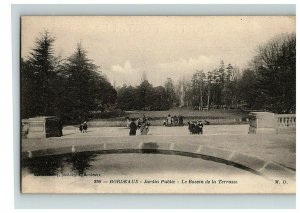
(162, 47)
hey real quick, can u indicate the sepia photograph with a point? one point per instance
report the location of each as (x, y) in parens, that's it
(158, 104)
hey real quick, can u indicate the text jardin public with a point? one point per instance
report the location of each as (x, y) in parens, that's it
(190, 181)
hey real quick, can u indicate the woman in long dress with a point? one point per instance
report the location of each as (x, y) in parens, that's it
(144, 128)
(133, 128)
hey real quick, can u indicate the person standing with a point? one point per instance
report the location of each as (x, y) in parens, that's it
(139, 123)
(127, 122)
(84, 127)
(169, 120)
(175, 119)
(133, 128)
(194, 128)
(180, 120)
(190, 127)
(144, 129)
(80, 128)
(200, 124)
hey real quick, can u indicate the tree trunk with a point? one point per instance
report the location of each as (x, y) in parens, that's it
(208, 96)
(201, 100)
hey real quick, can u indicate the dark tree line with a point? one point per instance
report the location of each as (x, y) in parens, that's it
(218, 88)
(143, 97)
(71, 88)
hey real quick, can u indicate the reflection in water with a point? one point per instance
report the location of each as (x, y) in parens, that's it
(53, 165)
(44, 166)
(81, 161)
(148, 162)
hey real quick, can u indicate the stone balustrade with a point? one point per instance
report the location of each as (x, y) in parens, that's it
(286, 120)
(286, 123)
(270, 123)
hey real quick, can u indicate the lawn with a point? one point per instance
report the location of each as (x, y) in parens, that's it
(190, 114)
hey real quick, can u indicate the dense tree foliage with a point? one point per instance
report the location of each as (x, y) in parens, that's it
(84, 89)
(71, 89)
(127, 98)
(38, 75)
(143, 97)
(275, 68)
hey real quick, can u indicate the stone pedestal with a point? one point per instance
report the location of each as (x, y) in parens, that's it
(44, 127)
(262, 123)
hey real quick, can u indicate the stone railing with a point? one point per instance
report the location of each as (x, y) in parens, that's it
(286, 120)
(266, 122)
(286, 123)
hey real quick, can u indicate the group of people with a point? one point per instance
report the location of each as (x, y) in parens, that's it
(83, 127)
(173, 121)
(195, 127)
(141, 123)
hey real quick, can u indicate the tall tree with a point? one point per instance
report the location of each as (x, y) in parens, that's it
(144, 94)
(231, 90)
(198, 81)
(209, 87)
(275, 65)
(85, 89)
(39, 75)
(248, 89)
(170, 90)
(27, 91)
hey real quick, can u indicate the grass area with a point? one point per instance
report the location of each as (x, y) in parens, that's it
(206, 114)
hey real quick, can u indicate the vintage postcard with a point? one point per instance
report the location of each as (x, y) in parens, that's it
(158, 104)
